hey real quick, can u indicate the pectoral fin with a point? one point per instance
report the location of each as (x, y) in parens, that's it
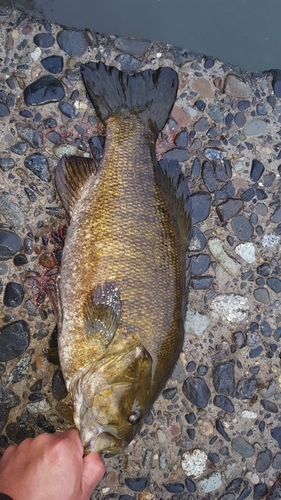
(102, 312)
(71, 175)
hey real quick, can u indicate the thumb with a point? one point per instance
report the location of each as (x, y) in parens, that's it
(93, 471)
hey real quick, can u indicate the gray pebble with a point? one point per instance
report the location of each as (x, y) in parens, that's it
(242, 227)
(229, 209)
(241, 446)
(132, 46)
(7, 164)
(274, 284)
(11, 212)
(247, 388)
(223, 378)
(128, 63)
(196, 391)
(262, 295)
(32, 136)
(38, 164)
(254, 127)
(73, 42)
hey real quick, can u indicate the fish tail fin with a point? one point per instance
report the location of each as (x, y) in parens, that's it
(149, 94)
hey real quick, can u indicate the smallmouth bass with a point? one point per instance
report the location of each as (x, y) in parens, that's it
(123, 273)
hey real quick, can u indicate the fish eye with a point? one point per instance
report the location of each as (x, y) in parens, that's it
(134, 417)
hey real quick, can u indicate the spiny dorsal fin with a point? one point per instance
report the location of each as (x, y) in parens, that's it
(70, 177)
(102, 312)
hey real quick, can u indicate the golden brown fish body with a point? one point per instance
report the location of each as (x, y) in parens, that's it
(122, 286)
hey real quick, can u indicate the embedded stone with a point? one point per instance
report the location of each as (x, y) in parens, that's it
(38, 164)
(257, 170)
(196, 391)
(73, 42)
(236, 86)
(45, 89)
(229, 209)
(201, 204)
(10, 243)
(14, 340)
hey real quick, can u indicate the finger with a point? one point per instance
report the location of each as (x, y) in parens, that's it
(92, 473)
(73, 435)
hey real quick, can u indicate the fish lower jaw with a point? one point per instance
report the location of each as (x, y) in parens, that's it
(101, 440)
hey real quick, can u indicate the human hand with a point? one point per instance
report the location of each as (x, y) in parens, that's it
(50, 466)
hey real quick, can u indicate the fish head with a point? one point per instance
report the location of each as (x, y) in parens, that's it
(112, 398)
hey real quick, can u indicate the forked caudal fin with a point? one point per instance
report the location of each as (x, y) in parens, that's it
(149, 94)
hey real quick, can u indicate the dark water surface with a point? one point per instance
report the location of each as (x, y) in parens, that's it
(242, 32)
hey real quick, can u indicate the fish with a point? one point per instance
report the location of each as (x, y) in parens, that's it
(124, 272)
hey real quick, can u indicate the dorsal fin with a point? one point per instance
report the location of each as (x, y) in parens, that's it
(175, 188)
(70, 177)
(102, 312)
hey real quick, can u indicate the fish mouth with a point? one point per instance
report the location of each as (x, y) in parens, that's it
(107, 443)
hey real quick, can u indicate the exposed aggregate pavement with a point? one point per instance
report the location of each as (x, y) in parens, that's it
(215, 430)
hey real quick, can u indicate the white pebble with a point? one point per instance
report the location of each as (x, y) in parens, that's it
(247, 252)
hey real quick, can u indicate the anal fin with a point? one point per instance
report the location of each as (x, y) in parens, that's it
(70, 177)
(102, 312)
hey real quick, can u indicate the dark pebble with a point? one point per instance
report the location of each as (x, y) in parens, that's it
(235, 485)
(169, 393)
(44, 40)
(201, 125)
(20, 370)
(7, 164)
(245, 493)
(128, 63)
(59, 389)
(8, 399)
(266, 329)
(224, 403)
(243, 104)
(196, 168)
(30, 194)
(241, 446)
(223, 378)
(274, 284)
(200, 105)
(191, 433)
(256, 170)
(190, 367)
(190, 418)
(209, 177)
(201, 203)
(190, 485)
(260, 490)
(73, 42)
(276, 217)
(14, 340)
(36, 386)
(45, 89)
(35, 396)
(229, 119)
(214, 457)
(29, 134)
(247, 388)
(276, 81)
(127, 497)
(4, 110)
(242, 227)
(277, 334)
(202, 370)
(14, 294)
(248, 195)
(269, 406)
(263, 461)
(201, 282)
(276, 463)
(43, 424)
(181, 140)
(221, 430)
(54, 137)
(26, 113)
(38, 164)
(263, 269)
(96, 144)
(240, 119)
(276, 434)
(149, 419)
(67, 109)
(53, 64)
(196, 391)
(261, 195)
(255, 352)
(197, 240)
(28, 245)
(229, 209)
(262, 295)
(220, 172)
(136, 483)
(74, 95)
(240, 339)
(199, 264)
(17, 432)
(10, 243)
(50, 123)
(19, 148)
(174, 487)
